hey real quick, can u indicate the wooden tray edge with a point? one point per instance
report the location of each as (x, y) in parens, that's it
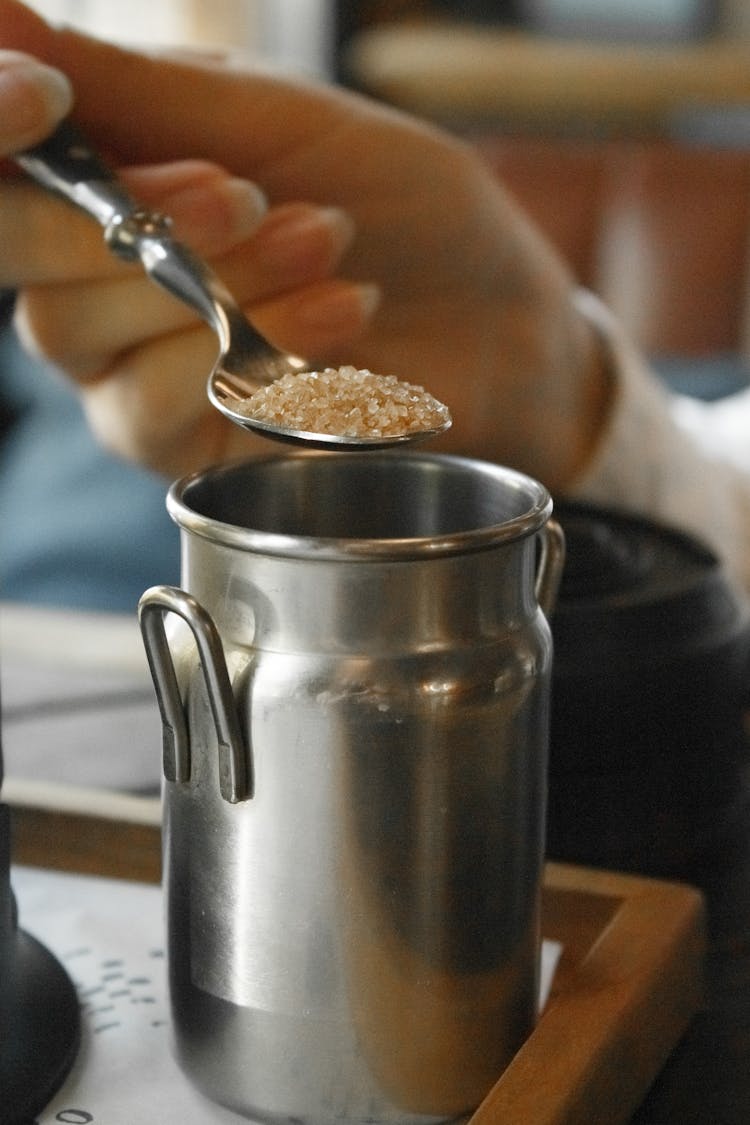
(602, 1040)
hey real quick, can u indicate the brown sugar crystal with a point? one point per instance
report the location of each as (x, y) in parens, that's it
(348, 402)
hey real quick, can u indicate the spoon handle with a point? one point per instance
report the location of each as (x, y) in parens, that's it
(66, 164)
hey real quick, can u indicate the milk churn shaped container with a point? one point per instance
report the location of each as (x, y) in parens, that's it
(354, 686)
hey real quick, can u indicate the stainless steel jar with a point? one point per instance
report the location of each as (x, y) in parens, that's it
(354, 684)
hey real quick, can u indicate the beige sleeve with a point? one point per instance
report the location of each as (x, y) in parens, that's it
(682, 462)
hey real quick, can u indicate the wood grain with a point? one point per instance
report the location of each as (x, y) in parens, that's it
(618, 1006)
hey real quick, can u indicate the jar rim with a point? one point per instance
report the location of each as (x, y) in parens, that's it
(437, 505)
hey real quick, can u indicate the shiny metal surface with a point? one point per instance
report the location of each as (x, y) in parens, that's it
(358, 940)
(66, 164)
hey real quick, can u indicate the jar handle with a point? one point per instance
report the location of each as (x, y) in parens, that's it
(550, 565)
(235, 764)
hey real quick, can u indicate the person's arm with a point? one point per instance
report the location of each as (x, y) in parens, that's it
(678, 460)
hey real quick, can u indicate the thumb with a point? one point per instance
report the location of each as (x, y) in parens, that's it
(33, 98)
(147, 107)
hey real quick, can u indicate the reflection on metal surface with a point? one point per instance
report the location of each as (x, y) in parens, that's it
(359, 939)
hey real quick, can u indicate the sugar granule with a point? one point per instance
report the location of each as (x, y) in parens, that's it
(348, 402)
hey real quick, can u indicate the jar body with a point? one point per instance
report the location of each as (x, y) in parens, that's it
(358, 940)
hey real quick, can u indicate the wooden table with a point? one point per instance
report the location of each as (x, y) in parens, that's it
(628, 983)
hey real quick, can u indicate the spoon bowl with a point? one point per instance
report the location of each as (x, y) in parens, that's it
(66, 164)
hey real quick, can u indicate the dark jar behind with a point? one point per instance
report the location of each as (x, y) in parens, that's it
(649, 750)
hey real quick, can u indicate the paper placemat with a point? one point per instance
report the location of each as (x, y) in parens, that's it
(108, 934)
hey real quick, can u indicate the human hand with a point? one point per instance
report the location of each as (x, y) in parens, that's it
(132, 348)
(474, 304)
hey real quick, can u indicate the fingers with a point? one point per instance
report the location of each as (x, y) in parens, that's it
(151, 406)
(82, 325)
(33, 99)
(160, 420)
(209, 209)
(321, 321)
(46, 240)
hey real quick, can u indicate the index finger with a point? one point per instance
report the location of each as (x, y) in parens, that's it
(45, 239)
(149, 107)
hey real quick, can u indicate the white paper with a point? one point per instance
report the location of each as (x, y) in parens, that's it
(109, 937)
(108, 934)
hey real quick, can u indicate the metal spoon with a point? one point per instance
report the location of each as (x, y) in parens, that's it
(66, 164)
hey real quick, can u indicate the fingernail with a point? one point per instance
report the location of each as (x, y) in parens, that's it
(342, 304)
(289, 226)
(33, 98)
(218, 214)
(249, 205)
(340, 223)
(370, 296)
(57, 90)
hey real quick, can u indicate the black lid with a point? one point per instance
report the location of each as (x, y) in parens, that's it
(635, 593)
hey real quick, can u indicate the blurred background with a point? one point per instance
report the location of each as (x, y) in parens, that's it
(622, 126)
(295, 33)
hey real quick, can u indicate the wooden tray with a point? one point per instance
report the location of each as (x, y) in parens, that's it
(628, 982)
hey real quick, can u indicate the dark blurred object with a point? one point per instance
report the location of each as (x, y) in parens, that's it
(637, 21)
(350, 17)
(649, 749)
(480, 11)
(8, 411)
(39, 1013)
